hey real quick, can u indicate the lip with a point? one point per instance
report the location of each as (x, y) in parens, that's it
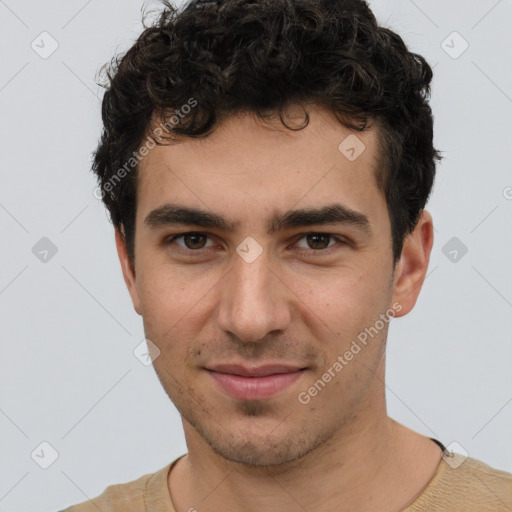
(255, 371)
(257, 383)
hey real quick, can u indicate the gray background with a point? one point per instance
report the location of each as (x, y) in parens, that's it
(68, 375)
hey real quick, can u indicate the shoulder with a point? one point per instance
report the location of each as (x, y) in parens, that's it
(466, 484)
(123, 497)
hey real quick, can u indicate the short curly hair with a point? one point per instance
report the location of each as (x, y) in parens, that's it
(222, 57)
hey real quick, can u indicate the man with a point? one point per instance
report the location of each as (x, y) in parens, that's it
(266, 165)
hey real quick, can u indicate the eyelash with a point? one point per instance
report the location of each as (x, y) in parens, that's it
(324, 251)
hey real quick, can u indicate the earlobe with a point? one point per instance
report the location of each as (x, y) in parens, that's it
(412, 267)
(128, 270)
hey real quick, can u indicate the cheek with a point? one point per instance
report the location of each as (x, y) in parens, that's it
(165, 292)
(174, 305)
(343, 295)
(343, 306)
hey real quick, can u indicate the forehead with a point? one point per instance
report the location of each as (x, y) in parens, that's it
(248, 165)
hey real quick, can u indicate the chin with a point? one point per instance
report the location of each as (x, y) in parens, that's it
(256, 442)
(250, 453)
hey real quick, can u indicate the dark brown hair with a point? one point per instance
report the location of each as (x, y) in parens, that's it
(220, 57)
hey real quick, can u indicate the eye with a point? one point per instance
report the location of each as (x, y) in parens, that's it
(192, 241)
(320, 241)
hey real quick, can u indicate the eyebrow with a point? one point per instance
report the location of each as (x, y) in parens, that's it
(173, 214)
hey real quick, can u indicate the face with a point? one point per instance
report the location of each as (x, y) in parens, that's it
(269, 251)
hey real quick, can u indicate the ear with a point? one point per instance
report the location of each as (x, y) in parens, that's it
(411, 269)
(128, 270)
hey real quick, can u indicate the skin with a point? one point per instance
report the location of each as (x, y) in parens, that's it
(297, 303)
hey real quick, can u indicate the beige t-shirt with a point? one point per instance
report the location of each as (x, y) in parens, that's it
(471, 487)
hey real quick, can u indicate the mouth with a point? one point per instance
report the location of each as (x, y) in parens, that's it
(255, 383)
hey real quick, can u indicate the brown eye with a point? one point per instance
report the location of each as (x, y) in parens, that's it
(320, 244)
(192, 240)
(318, 240)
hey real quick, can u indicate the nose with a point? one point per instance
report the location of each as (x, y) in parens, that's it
(254, 301)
